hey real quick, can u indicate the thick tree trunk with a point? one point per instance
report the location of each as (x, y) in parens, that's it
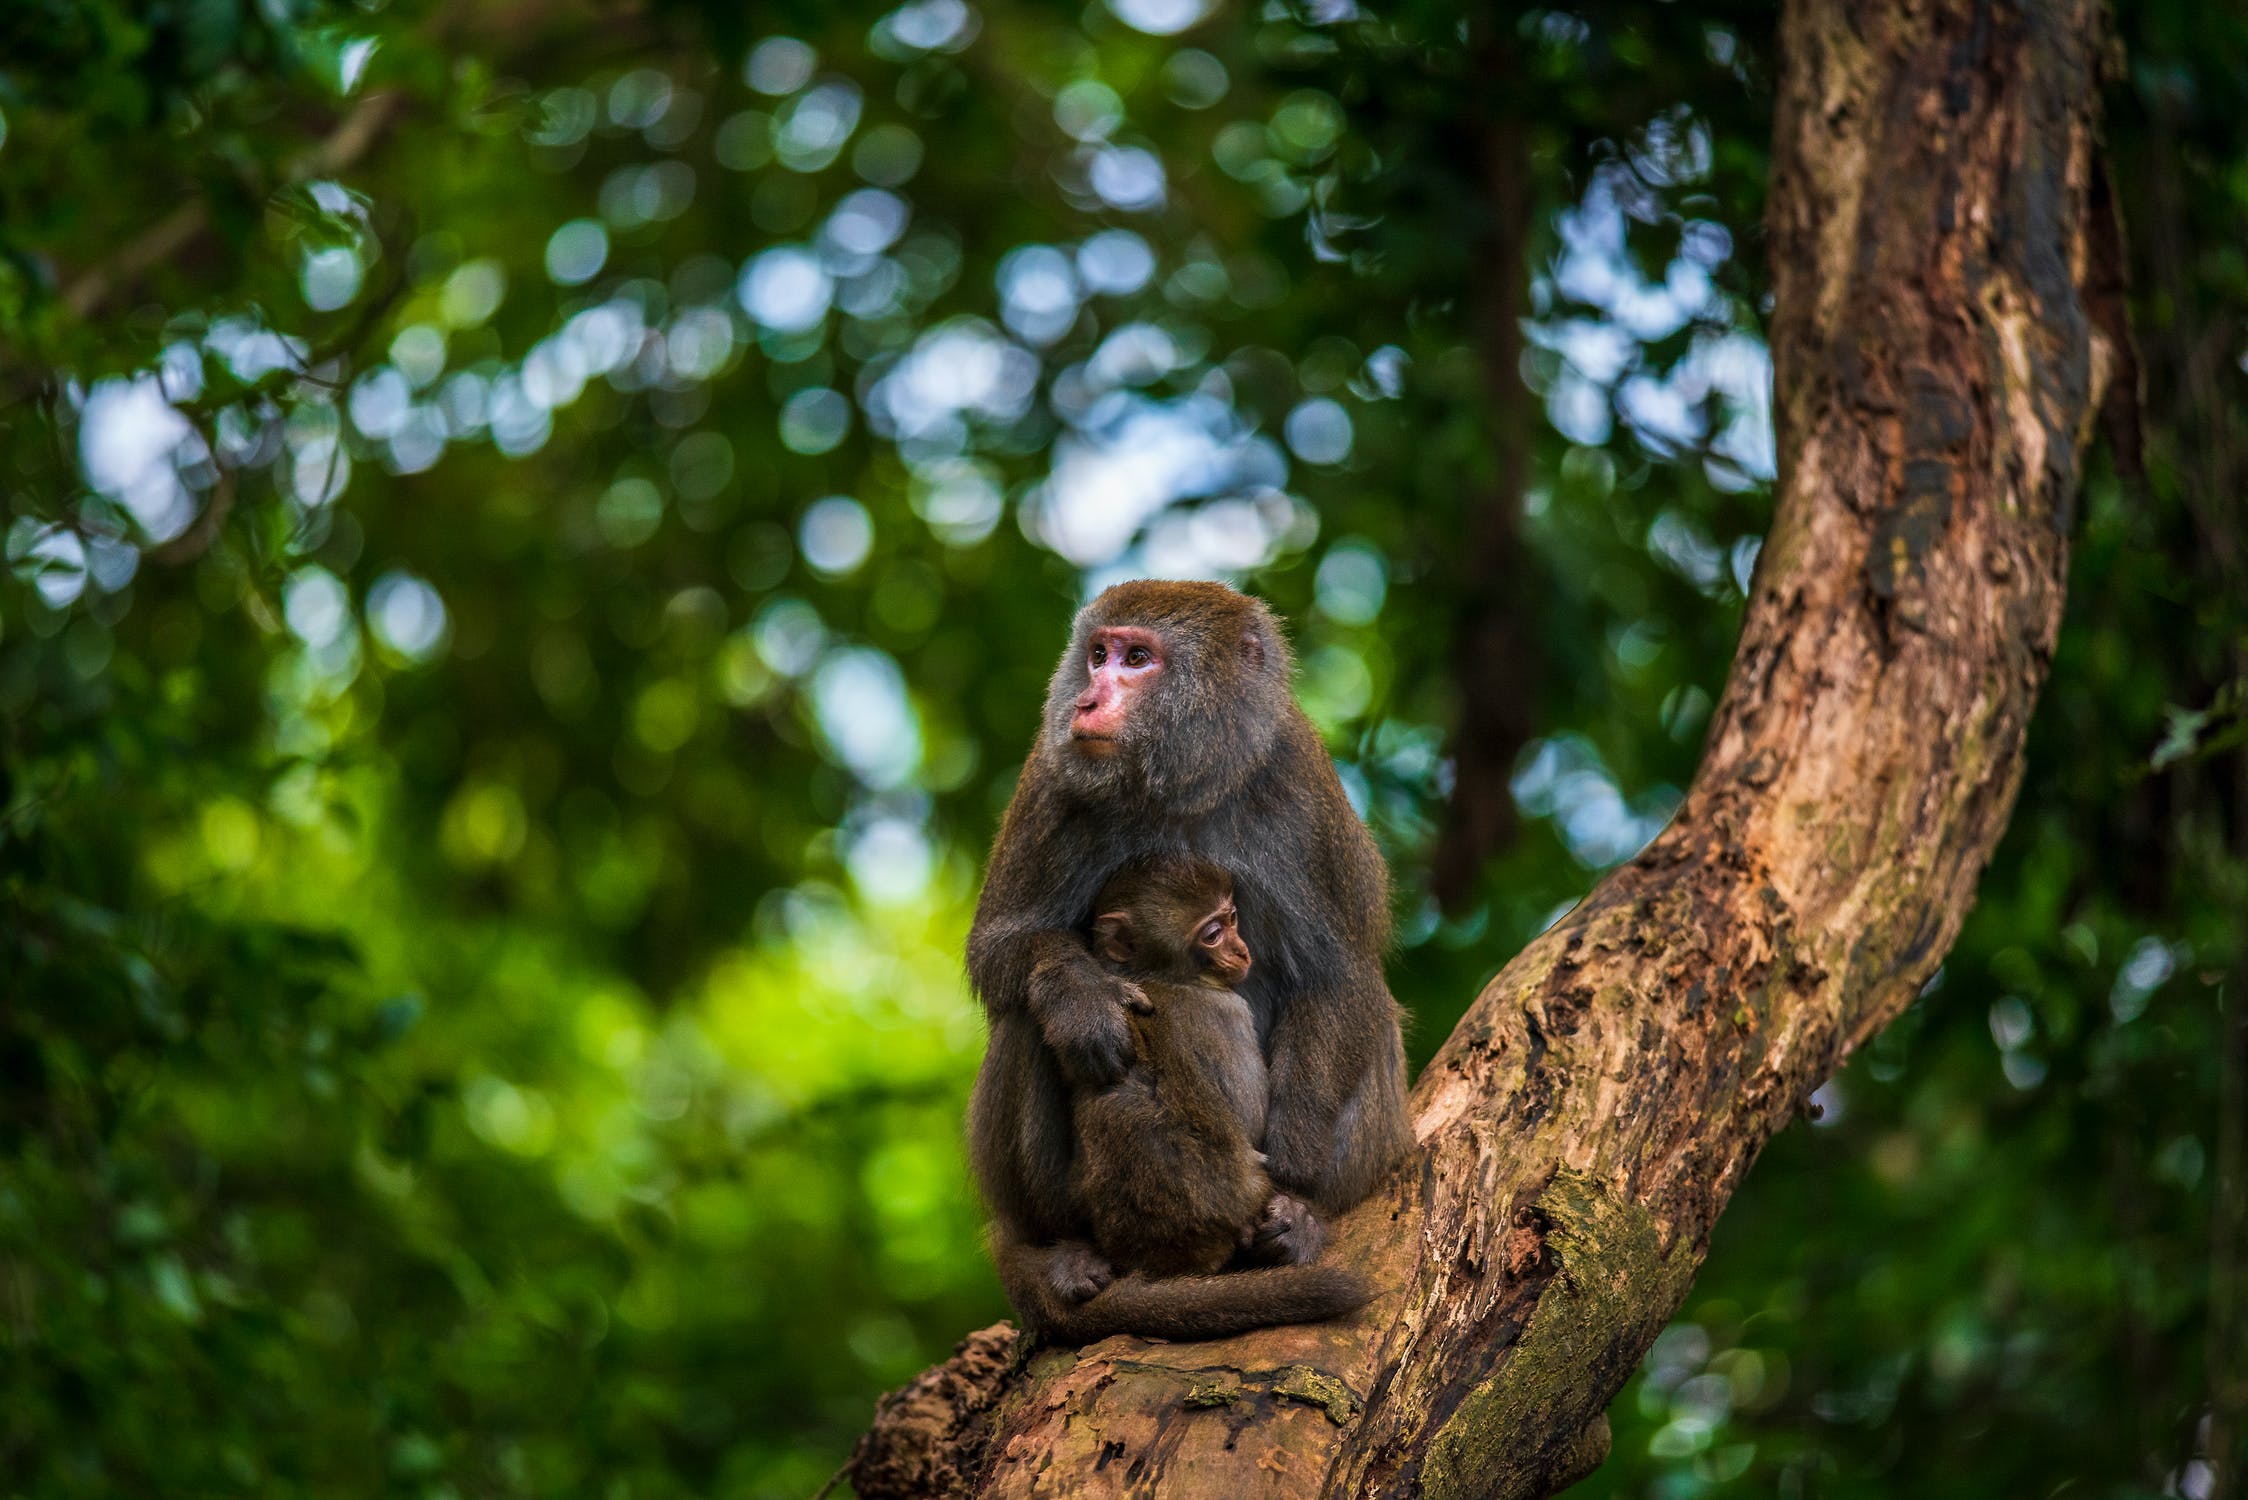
(1937, 375)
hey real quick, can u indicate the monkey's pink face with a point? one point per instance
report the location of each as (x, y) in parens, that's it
(1120, 663)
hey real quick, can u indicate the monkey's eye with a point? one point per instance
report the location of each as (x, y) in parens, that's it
(1137, 657)
(1100, 655)
(1212, 931)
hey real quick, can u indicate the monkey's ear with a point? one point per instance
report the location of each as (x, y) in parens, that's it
(1112, 936)
(1253, 647)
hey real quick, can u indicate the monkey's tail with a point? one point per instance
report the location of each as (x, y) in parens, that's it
(1209, 1307)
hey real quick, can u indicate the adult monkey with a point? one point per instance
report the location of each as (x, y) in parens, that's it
(1170, 725)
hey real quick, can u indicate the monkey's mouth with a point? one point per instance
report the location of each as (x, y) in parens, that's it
(1093, 744)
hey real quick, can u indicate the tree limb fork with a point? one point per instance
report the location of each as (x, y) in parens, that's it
(1936, 374)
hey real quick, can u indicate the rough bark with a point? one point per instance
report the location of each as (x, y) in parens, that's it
(1937, 374)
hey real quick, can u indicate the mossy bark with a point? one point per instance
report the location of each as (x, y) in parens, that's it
(1933, 233)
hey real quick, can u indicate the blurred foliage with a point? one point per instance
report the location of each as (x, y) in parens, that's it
(534, 534)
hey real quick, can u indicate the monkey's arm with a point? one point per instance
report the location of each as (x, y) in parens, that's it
(1022, 955)
(1081, 1009)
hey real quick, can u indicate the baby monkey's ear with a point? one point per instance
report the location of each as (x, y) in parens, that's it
(1112, 936)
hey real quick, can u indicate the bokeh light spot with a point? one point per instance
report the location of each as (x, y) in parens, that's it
(1159, 17)
(473, 293)
(814, 421)
(316, 606)
(1193, 79)
(406, 616)
(1088, 110)
(1116, 262)
(859, 699)
(779, 65)
(1129, 178)
(786, 289)
(576, 252)
(330, 277)
(628, 512)
(836, 535)
(1319, 431)
(1351, 584)
(887, 156)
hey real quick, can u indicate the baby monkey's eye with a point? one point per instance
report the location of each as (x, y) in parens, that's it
(1137, 657)
(1212, 931)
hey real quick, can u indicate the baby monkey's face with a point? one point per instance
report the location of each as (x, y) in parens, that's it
(1174, 922)
(1218, 947)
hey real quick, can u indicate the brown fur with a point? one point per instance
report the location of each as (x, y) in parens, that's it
(1167, 1161)
(1218, 761)
(1181, 1307)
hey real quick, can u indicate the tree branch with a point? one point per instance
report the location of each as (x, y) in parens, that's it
(1937, 376)
(171, 235)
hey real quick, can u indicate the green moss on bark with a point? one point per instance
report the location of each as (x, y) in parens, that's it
(1223, 1391)
(1303, 1383)
(1534, 1420)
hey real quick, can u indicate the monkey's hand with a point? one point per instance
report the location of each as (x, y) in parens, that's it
(1289, 1234)
(1075, 1271)
(1080, 1012)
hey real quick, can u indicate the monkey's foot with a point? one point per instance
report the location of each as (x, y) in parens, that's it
(1289, 1234)
(1076, 1271)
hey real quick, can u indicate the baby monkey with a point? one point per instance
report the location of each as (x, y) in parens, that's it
(1167, 1159)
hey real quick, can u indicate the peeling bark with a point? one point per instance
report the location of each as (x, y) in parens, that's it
(1937, 375)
